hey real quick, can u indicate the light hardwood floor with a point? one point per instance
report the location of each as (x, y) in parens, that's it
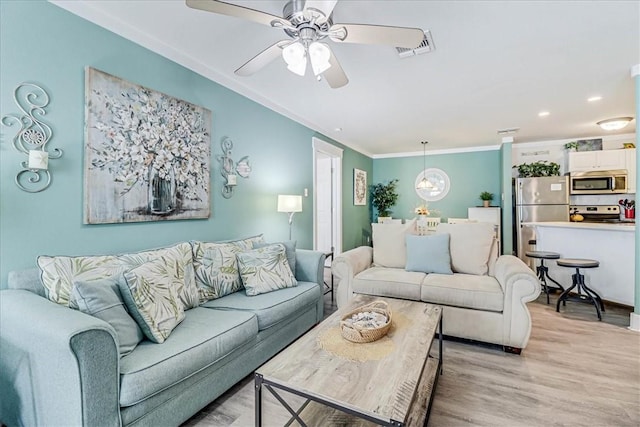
(575, 371)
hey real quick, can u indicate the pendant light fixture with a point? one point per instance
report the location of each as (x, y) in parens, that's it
(424, 184)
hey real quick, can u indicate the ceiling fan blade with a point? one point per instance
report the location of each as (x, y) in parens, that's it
(239, 12)
(323, 6)
(376, 34)
(335, 75)
(263, 58)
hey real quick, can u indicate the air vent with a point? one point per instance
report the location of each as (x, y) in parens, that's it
(508, 131)
(425, 47)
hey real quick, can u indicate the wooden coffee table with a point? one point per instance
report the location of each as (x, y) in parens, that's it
(396, 390)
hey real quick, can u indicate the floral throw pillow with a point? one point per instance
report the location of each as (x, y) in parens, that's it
(151, 299)
(59, 273)
(265, 269)
(216, 269)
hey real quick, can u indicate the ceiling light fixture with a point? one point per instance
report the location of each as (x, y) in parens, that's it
(594, 98)
(296, 54)
(616, 123)
(424, 184)
(543, 114)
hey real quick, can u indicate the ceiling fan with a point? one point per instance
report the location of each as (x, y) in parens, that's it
(308, 23)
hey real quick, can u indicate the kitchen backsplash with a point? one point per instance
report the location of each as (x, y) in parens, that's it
(600, 199)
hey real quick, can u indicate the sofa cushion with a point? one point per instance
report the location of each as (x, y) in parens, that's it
(463, 290)
(429, 254)
(59, 273)
(273, 307)
(470, 246)
(389, 245)
(204, 337)
(102, 299)
(290, 248)
(389, 282)
(151, 299)
(265, 269)
(216, 268)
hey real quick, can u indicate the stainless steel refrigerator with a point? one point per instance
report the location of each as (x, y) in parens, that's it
(538, 200)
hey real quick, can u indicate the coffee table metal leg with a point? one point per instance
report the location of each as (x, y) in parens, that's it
(258, 387)
(440, 333)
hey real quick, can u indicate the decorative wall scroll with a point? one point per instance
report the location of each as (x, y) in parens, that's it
(32, 138)
(230, 170)
(147, 154)
(359, 187)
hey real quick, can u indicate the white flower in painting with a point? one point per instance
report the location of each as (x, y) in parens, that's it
(148, 130)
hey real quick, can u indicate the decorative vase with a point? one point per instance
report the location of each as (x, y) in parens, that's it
(162, 192)
(486, 203)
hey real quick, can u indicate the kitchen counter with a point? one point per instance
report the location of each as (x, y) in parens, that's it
(613, 226)
(612, 244)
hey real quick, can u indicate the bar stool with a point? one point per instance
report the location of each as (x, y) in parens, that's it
(543, 271)
(577, 280)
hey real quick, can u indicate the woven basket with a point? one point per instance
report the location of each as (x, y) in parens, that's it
(358, 334)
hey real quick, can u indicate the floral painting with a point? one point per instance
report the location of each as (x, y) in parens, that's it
(359, 187)
(147, 154)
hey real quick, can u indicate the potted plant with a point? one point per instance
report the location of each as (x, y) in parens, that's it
(383, 197)
(571, 146)
(486, 198)
(535, 169)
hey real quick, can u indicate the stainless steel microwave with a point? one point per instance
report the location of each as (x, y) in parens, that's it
(599, 182)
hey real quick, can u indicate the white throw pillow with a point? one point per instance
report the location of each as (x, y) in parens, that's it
(470, 245)
(389, 244)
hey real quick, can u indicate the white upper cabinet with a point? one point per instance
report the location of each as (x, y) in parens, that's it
(631, 167)
(597, 160)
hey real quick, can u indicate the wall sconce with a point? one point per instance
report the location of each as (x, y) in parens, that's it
(230, 170)
(289, 204)
(615, 123)
(32, 137)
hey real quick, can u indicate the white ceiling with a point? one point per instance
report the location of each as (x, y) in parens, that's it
(497, 64)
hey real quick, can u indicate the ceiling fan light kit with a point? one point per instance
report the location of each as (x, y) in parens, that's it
(307, 23)
(616, 123)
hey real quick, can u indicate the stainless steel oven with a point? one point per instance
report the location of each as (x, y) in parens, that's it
(599, 182)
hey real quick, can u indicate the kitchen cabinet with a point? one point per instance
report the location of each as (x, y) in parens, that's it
(631, 168)
(582, 161)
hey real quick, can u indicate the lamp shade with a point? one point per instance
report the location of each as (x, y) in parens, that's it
(289, 203)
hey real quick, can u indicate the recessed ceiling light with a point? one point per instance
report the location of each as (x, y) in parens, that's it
(543, 114)
(594, 98)
(338, 129)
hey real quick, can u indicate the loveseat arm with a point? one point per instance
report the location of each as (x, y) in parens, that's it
(347, 265)
(520, 286)
(310, 268)
(58, 366)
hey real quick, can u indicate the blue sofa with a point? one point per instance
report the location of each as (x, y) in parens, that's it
(59, 366)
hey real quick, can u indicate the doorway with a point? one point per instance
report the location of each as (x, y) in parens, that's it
(327, 186)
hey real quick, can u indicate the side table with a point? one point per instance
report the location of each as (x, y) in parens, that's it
(329, 255)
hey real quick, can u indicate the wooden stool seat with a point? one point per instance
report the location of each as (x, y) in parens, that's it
(542, 254)
(578, 262)
(577, 281)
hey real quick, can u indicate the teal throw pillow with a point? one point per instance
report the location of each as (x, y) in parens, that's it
(290, 251)
(428, 254)
(101, 299)
(265, 269)
(153, 302)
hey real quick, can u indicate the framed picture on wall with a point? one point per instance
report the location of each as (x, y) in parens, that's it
(147, 154)
(359, 187)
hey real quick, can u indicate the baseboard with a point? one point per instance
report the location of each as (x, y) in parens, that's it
(634, 322)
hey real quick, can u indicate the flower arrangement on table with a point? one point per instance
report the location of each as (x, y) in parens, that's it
(422, 210)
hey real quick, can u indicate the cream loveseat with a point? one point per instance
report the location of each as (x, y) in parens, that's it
(484, 295)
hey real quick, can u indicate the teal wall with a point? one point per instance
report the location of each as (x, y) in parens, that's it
(44, 44)
(470, 174)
